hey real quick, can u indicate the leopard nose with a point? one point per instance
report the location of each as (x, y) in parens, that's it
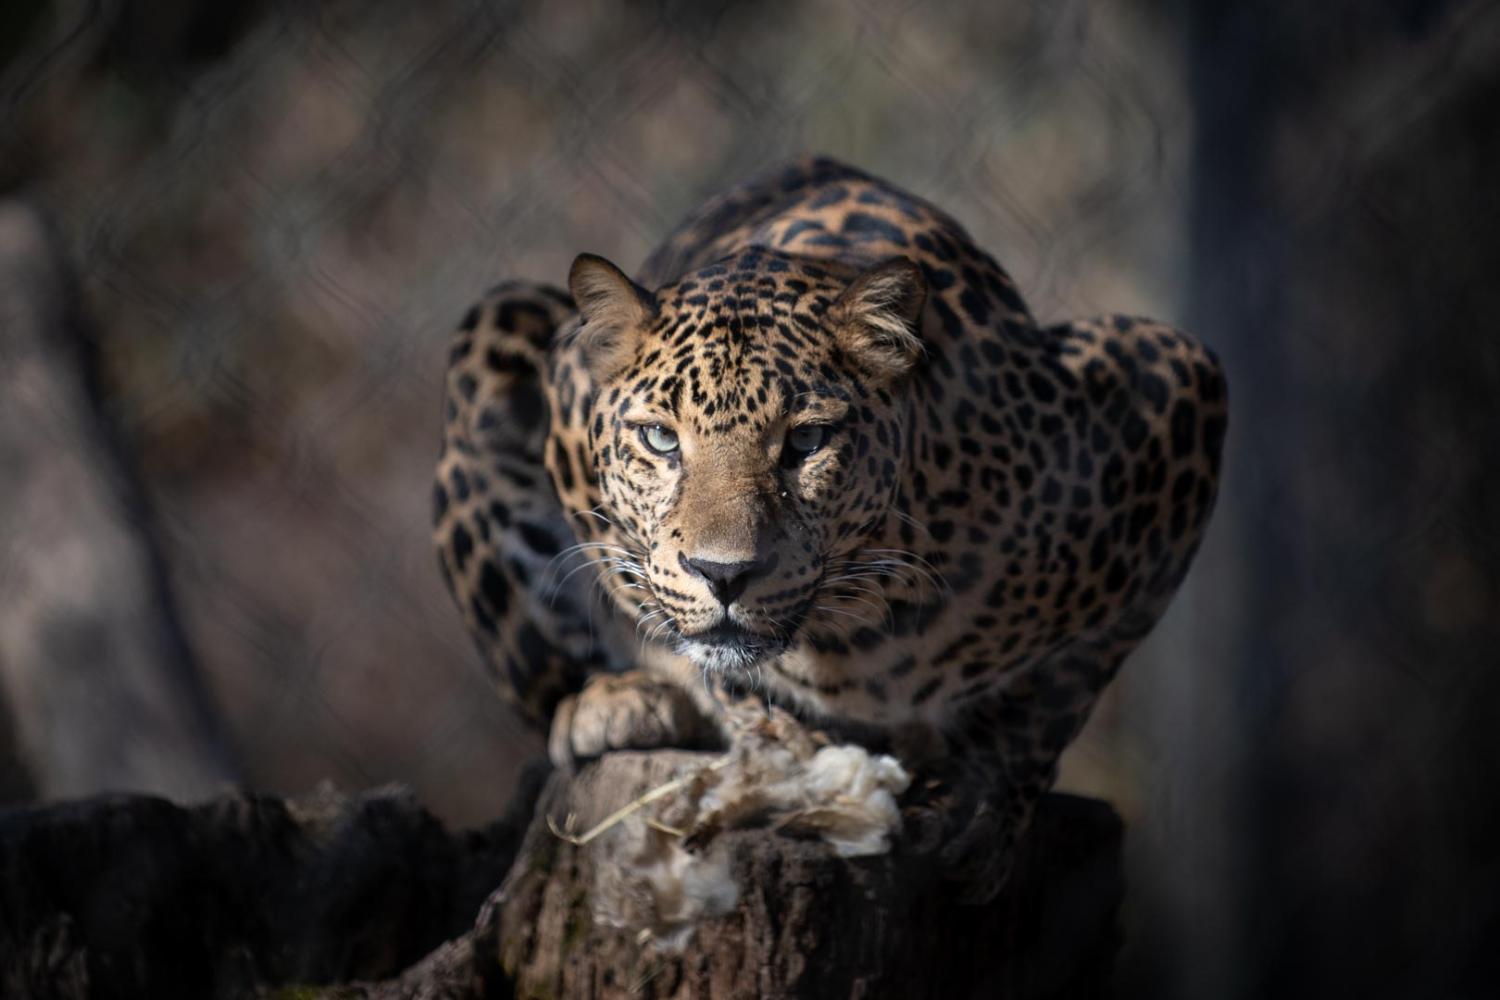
(727, 580)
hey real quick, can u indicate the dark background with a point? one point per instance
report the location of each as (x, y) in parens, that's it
(277, 210)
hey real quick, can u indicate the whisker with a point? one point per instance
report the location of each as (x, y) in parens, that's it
(594, 512)
(841, 611)
(904, 555)
(581, 548)
(906, 518)
(557, 589)
(879, 616)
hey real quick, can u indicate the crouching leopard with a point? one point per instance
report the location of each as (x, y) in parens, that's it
(819, 452)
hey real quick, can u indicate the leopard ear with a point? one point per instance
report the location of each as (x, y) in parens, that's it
(878, 318)
(615, 310)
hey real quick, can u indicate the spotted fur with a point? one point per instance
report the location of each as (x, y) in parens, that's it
(892, 501)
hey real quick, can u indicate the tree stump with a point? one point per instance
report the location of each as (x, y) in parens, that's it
(807, 924)
(134, 896)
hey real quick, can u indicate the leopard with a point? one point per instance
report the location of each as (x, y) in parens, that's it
(817, 453)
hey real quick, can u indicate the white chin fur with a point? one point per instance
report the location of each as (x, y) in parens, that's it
(718, 658)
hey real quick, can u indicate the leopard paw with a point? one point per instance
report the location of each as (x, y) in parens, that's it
(629, 711)
(969, 829)
(979, 851)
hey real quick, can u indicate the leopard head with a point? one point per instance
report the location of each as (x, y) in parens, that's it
(747, 431)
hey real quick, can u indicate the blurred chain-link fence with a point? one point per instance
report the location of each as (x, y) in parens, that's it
(278, 227)
(278, 210)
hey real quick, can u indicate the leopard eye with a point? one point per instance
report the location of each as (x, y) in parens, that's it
(662, 440)
(806, 439)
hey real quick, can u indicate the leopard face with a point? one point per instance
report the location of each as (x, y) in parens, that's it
(748, 425)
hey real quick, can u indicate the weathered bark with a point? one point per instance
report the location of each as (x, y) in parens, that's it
(808, 924)
(131, 896)
(99, 688)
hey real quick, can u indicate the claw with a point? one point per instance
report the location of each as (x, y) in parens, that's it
(629, 711)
